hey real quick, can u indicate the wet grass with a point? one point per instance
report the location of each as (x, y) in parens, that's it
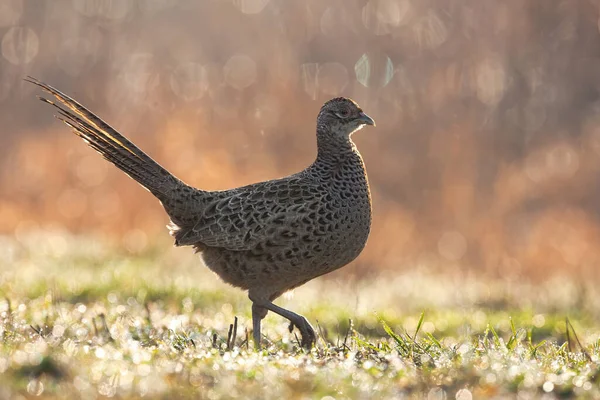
(79, 319)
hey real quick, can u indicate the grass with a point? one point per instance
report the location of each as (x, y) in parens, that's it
(79, 319)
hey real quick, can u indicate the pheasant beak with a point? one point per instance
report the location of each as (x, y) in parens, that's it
(365, 119)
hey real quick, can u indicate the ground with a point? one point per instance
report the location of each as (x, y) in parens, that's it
(82, 319)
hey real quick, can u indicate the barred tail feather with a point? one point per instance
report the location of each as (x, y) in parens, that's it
(113, 146)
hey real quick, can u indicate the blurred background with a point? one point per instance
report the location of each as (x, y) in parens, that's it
(486, 155)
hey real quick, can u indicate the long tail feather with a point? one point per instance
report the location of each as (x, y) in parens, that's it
(113, 146)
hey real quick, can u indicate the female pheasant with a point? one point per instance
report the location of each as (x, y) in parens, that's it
(268, 237)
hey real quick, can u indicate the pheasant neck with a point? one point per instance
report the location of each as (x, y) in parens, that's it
(333, 149)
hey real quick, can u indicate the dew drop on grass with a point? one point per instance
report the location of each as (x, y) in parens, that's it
(58, 331)
(464, 394)
(100, 353)
(35, 387)
(436, 394)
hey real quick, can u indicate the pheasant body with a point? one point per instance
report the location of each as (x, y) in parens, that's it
(318, 221)
(267, 237)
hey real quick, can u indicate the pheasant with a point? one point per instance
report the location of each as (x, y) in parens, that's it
(267, 237)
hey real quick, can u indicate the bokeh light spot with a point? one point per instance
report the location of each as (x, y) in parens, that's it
(452, 245)
(563, 161)
(35, 387)
(20, 45)
(135, 241)
(139, 78)
(430, 32)
(436, 394)
(250, 6)
(381, 16)
(189, 81)
(240, 71)
(558, 161)
(140, 72)
(490, 81)
(464, 394)
(538, 320)
(374, 69)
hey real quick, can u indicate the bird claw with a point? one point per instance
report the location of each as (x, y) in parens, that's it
(308, 335)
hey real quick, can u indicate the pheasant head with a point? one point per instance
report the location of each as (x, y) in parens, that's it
(340, 117)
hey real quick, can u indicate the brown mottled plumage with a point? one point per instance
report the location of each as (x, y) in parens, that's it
(268, 237)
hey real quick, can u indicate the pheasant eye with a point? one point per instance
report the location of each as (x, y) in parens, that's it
(344, 113)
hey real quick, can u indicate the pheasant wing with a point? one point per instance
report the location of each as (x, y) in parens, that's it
(270, 213)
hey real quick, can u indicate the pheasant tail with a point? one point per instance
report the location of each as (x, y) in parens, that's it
(113, 146)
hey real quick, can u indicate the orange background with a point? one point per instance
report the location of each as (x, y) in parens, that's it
(486, 154)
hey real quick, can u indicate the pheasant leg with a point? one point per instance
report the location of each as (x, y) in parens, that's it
(306, 330)
(258, 313)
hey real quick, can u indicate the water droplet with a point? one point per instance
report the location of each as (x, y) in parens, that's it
(464, 394)
(107, 389)
(374, 69)
(436, 394)
(58, 331)
(240, 71)
(20, 45)
(35, 387)
(548, 386)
